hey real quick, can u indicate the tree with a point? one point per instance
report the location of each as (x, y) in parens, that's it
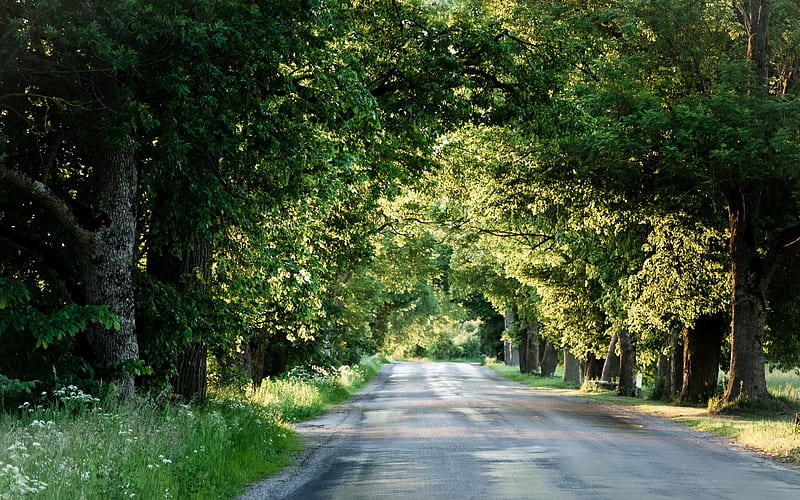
(69, 171)
(707, 138)
(774, 155)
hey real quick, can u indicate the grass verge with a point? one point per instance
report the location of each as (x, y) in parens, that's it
(772, 432)
(512, 373)
(79, 448)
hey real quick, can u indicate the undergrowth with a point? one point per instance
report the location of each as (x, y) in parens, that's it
(80, 447)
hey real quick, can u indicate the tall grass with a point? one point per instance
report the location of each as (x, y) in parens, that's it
(304, 393)
(77, 447)
(141, 451)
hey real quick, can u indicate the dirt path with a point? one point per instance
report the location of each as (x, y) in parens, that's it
(450, 430)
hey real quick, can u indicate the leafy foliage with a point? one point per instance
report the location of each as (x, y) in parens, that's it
(35, 342)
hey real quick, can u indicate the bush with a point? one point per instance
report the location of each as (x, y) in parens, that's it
(443, 348)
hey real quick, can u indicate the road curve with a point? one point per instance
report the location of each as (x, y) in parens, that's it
(451, 430)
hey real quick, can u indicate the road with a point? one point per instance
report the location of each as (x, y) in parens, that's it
(451, 430)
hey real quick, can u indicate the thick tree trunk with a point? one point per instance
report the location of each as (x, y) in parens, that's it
(572, 368)
(593, 368)
(529, 349)
(549, 359)
(701, 352)
(675, 380)
(611, 366)
(627, 365)
(190, 381)
(748, 298)
(107, 268)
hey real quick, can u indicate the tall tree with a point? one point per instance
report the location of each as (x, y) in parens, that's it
(70, 170)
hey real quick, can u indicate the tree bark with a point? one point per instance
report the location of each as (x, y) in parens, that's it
(254, 355)
(757, 24)
(748, 297)
(523, 349)
(511, 353)
(675, 380)
(191, 380)
(529, 349)
(190, 361)
(106, 270)
(701, 353)
(572, 368)
(549, 359)
(627, 365)
(662, 377)
(593, 368)
(611, 366)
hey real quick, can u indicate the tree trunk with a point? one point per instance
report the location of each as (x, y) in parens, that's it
(511, 353)
(572, 368)
(549, 359)
(529, 349)
(701, 352)
(675, 380)
(611, 366)
(107, 270)
(757, 24)
(748, 298)
(593, 368)
(627, 365)
(190, 380)
(523, 354)
(254, 354)
(662, 377)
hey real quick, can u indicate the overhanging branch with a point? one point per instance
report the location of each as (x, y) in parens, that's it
(48, 202)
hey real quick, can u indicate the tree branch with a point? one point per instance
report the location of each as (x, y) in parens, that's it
(44, 198)
(787, 242)
(492, 79)
(745, 17)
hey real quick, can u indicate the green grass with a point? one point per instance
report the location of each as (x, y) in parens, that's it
(767, 429)
(78, 448)
(512, 372)
(305, 394)
(141, 451)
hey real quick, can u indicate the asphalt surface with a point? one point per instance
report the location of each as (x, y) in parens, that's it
(450, 430)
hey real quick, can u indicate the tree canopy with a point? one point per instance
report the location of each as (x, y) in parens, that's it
(246, 187)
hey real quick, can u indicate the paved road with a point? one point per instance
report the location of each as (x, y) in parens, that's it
(448, 430)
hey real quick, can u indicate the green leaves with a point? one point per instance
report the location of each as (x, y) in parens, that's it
(47, 328)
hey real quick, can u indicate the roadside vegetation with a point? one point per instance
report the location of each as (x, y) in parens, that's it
(75, 446)
(554, 381)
